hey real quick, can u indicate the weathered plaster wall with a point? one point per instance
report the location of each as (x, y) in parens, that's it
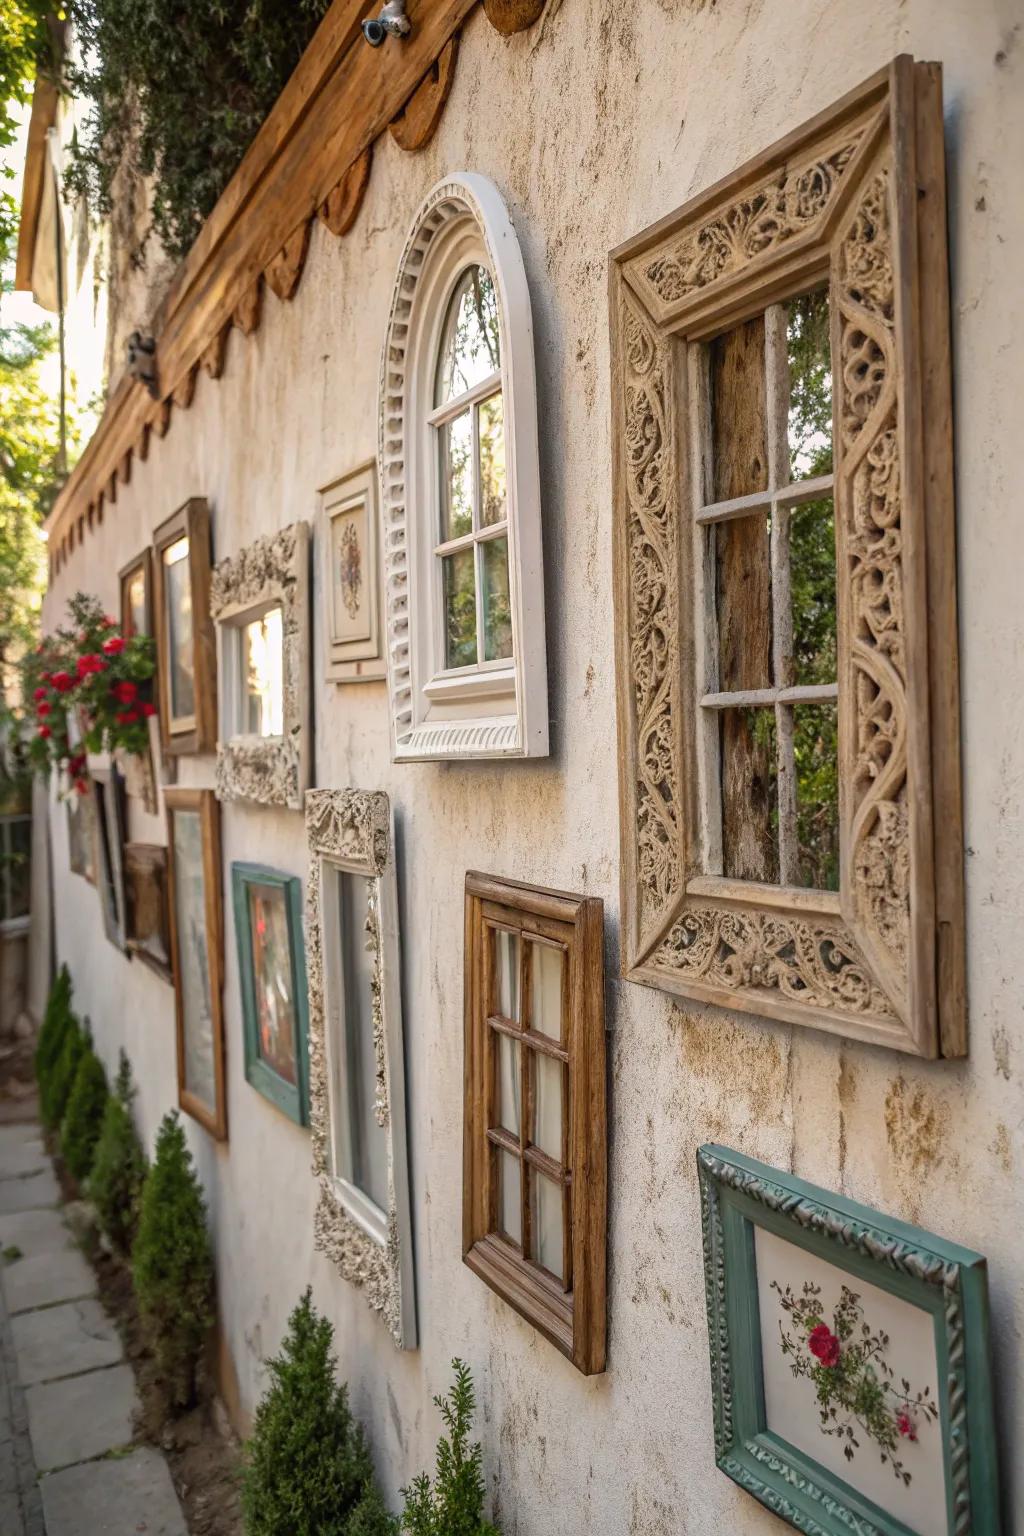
(592, 126)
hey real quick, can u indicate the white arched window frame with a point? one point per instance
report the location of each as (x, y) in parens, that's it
(495, 708)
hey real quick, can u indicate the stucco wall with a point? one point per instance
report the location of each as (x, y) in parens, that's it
(604, 120)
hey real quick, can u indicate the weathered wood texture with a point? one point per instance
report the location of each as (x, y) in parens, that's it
(510, 16)
(417, 123)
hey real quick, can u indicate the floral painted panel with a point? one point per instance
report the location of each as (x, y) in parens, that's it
(351, 574)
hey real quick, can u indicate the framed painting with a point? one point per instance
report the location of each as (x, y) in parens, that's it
(197, 953)
(350, 578)
(145, 878)
(136, 580)
(186, 655)
(356, 1053)
(272, 972)
(849, 1359)
(110, 816)
(81, 815)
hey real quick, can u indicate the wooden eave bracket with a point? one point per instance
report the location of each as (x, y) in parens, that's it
(285, 271)
(417, 122)
(511, 16)
(340, 208)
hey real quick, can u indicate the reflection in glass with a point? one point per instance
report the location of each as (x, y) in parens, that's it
(750, 800)
(815, 748)
(743, 599)
(506, 964)
(263, 676)
(470, 348)
(546, 1221)
(272, 979)
(509, 1087)
(810, 385)
(193, 959)
(491, 429)
(460, 608)
(496, 604)
(510, 1196)
(136, 605)
(812, 563)
(547, 1104)
(457, 477)
(178, 587)
(546, 989)
(366, 1162)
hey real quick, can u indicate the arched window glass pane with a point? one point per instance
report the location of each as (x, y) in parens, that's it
(470, 346)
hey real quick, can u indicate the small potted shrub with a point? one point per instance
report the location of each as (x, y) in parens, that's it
(80, 1128)
(119, 1166)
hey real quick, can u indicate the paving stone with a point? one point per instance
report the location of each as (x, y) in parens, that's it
(114, 1498)
(63, 1341)
(45, 1279)
(86, 1416)
(12, 1136)
(22, 1158)
(32, 1194)
(34, 1233)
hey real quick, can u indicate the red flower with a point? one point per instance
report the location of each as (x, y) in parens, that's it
(125, 692)
(44, 731)
(90, 662)
(40, 693)
(42, 709)
(127, 717)
(82, 785)
(76, 764)
(905, 1425)
(114, 646)
(62, 681)
(148, 709)
(108, 622)
(823, 1344)
(46, 677)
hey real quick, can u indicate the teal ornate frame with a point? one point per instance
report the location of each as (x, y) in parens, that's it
(950, 1282)
(292, 1099)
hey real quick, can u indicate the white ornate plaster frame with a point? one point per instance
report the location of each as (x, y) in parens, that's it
(858, 196)
(486, 712)
(351, 831)
(273, 572)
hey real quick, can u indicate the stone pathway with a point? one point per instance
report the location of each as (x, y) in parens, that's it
(68, 1462)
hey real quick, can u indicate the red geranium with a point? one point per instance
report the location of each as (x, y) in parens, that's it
(40, 693)
(42, 709)
(905, 1425)
(89, 663)
(62, 681)
(114, 646)
(125, 692)
(127, 717)
(45, 732)
(82, 785)
(823, 1344)
(148, 709)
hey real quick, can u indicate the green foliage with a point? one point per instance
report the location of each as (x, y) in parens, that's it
(119, 1166)
(172, 1265)
(454, 1505)
(307, 1466)
(370, 1516)
(54, 1026)
(177, 93)
(80, 1129)
(55, 1089)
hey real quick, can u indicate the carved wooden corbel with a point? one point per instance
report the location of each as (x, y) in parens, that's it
(249, 309)
(185, 388)
(285, 270)
(142, 446)
(212, 357)
(417, 123)
(162, 419)
(509, 16)
(112, 487)
(124, 470)
(341, 206)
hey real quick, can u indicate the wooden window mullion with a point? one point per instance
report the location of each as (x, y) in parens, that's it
(777, 410)
(525, 1094)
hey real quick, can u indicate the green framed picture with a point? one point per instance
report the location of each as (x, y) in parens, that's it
(849, 1359)
(272, 970)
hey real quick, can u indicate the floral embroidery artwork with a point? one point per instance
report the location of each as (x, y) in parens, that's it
(856, 1388)
(350, 571)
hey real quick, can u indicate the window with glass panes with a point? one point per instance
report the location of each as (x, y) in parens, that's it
(535, 1117)
(15, 868)
(767, 718)
(468, 423)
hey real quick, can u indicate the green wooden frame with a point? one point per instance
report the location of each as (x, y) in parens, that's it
(293, 1100)
(950, 1282)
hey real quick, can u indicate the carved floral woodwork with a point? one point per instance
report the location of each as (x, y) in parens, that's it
(351, 830)
(857, 195)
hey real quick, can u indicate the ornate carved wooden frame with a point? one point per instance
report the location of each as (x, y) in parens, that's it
(857, 196)
(944, 1279)
(274, 571)
(352, 830)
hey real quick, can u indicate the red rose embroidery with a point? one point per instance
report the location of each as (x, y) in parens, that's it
(823, 1344)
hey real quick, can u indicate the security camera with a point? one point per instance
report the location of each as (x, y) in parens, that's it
(375, 32)
(391, 19)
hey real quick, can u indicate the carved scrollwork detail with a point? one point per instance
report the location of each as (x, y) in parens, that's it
(807, 961)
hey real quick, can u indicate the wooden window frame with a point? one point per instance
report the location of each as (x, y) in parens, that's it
(291, 1098)
(191, 521)
(856, 196)
(147, 862)
(20, 924)
(143, 563)
(271, 573)
(570, 1314)
(352, 831)
(214, 1118)
(111, 810)
(495, 709)
(352, 661)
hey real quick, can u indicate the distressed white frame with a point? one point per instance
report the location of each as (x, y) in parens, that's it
(351, 831)
(271, 573)
(496, 709)
(352, 661)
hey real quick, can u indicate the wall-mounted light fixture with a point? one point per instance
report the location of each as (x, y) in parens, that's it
(392, 19)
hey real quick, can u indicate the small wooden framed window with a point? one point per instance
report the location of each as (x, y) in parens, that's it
(786, 583)
(534, 1158)
(186, 655)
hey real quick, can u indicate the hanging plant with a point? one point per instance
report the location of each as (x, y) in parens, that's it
(86, 689)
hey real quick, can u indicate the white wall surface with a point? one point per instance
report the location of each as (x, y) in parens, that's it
(607, 118)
